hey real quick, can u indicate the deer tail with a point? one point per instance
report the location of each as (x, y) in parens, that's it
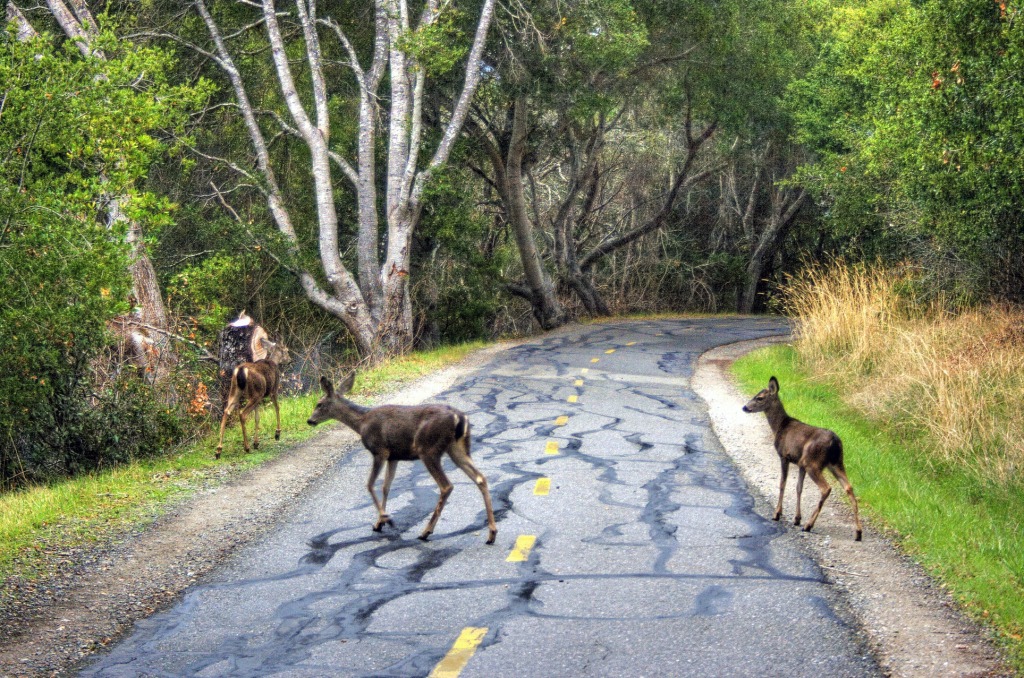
(240, 377)
(461, 426)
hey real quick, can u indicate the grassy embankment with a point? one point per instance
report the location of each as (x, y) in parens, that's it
(928, 403)
(38, 524)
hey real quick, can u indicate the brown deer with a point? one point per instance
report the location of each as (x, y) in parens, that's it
(811, 448)
(394, 433)
(255, 382)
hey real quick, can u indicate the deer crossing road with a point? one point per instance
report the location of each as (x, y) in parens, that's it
(627, 544)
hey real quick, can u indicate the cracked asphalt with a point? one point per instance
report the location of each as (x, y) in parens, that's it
(649, 558)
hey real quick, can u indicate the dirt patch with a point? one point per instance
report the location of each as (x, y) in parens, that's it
(49, 627)
(912, 625)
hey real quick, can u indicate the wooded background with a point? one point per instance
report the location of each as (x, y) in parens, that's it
(364, 178)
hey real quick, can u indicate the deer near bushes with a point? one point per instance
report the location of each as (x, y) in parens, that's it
(255, 382)
(394, 433)
(811, 448)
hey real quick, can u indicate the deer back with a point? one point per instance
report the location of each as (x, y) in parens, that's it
(405, 431)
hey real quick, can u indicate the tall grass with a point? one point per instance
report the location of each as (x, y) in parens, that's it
(942, 373)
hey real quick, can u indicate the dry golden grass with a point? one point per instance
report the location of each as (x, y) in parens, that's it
(954, 376)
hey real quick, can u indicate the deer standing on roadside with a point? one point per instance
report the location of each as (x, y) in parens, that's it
(255, 382)
(394, 433)
(811, 448)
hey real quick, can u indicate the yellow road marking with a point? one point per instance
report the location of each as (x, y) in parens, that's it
(632, 343)
(578, 382)
(542, 487)
(584, 370)
(573, 398)
(551, 447)
(562, 420)
(521, 552)
(594, 360)
(611, 350)
(460, 654)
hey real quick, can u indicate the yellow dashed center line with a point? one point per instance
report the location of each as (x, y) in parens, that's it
(573, 398)
(578, 382)
(542, 487)
(611, 350)
(632, 343)
(562, 420)
(551, 447)
(460, 654)
(584, 370)
(594, 360)
(521, 552)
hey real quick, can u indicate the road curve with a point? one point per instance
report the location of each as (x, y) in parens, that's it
(646, 556)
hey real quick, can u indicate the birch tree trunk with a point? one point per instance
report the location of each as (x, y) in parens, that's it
(376, 308)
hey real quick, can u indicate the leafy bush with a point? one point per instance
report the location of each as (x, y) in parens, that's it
(75, 134)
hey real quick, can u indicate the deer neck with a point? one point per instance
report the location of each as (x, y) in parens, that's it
(349, 414)
(777, 416)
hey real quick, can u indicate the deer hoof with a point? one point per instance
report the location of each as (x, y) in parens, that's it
(216, 455)
(277, 434)
(796, 521)
(391, 522)
(808, 528)
(492, 536)
(377, 527)
(857, 538)
(425, 536)
(255, 445)
(776, 516)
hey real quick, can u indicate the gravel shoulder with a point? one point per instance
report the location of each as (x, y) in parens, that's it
(912, 625)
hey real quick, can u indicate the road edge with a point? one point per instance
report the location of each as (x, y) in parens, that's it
(120, 583)
(913, 627)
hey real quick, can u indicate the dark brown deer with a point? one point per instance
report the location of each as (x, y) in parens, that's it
(811, 448)
(394, 433)
(255, 382)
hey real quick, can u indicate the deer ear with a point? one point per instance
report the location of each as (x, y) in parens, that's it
(773, 385)
(326, 385)
(346, 385)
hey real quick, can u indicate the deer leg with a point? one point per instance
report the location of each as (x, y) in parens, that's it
(433, 464)
(459, 452)
(256, 427)
(277, 414)
(840, 473)
(782, 488)
(223, 423)
(378, 462)
(826, 489)
(389, 475)
(799, 492)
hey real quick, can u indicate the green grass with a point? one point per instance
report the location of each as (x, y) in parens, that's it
(965, 530)
(39, 525)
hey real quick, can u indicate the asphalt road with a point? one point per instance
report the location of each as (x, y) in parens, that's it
(648, 560)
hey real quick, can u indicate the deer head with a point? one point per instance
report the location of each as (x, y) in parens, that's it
(333, 402)
(276, 351)
(763, 400)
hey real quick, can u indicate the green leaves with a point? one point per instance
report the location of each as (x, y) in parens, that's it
(923, 103)
(77, 136)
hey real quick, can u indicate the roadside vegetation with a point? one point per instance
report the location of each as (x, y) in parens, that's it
(41, 524)
(925, 395)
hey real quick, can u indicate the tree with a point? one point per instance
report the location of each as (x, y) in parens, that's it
(75, 130)
(375, 304)
(913, 113)
(146, 327)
